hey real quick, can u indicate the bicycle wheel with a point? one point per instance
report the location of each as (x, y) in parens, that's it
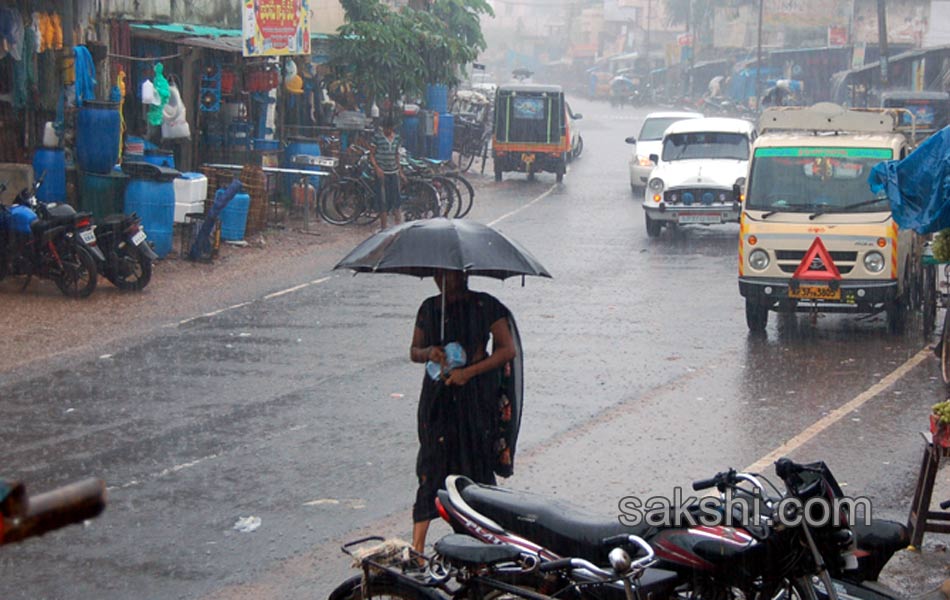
(449, 195)
(341, 202)
(419, 200)
(466, 196)
(467, 152)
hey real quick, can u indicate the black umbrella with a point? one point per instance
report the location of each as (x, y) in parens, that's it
(423, 248)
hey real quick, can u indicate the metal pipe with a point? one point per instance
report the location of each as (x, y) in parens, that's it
(882, 40)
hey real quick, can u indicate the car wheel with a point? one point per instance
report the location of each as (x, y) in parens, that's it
(653, 227)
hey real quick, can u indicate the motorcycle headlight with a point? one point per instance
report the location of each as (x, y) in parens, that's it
(874, 262)
(644, 161)
(656, 184)
(759, 259)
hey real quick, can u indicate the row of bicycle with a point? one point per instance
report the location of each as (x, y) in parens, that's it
(348, 193)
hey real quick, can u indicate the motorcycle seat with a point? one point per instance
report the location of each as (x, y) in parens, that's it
(468, 550)
(556, 525)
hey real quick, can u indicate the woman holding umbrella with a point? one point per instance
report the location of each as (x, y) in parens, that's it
(458, 412)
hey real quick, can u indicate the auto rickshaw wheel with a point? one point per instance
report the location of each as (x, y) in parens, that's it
(497, 173)
(561, 168)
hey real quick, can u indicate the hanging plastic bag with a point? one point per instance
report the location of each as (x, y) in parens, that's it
(174, 117)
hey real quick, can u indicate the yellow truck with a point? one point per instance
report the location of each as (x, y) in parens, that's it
(813, 237)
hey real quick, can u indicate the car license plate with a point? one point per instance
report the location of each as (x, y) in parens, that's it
(814, 292)
(700, 219)
(138, 238)
(88, 236)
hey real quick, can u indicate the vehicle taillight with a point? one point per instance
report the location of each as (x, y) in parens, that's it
(133, 229)
(83, 223)
(442, 512)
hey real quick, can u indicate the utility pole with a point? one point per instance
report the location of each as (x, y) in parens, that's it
(882, 40)
(646, 50)
(758, 60)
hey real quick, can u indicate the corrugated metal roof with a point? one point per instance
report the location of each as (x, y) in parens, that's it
(224, 44)
(186, 29)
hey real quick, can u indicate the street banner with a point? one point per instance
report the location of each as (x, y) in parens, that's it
(276, 27)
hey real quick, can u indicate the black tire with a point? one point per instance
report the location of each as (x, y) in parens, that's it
(756, 316)
(341, 202)
(467, 194)
(450, 198)
(467, 156)
(497, 173)
(80, 275)
(928, 300)
(580, 147)
(653, 227)
(561, 168)
(799, 588)
(419, 201)
(896, 312)
(376, 586)
(133, 270)
(945, 351)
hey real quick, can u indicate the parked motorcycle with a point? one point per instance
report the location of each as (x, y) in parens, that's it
(128, 257)
(51, 241)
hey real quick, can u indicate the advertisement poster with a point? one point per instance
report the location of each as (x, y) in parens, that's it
(276, 27)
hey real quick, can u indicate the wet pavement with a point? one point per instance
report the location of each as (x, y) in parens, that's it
(298, 408)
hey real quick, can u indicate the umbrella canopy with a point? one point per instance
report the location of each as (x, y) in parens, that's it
(422, 248)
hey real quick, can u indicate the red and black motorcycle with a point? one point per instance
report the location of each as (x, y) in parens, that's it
(770, 551)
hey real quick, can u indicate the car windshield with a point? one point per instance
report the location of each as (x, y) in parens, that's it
(653, 129)
(705, 144)
(814, 179)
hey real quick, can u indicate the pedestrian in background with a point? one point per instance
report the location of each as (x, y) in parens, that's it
(385, 158)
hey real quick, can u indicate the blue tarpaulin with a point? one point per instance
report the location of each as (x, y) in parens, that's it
(918, 186)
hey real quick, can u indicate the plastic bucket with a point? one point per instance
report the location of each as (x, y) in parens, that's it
(234, 217)
(98, 136)
(51, 161)
(151, 195)
(446, 136)
(102, 195)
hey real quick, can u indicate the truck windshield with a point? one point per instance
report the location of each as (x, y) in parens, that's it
(706, 144)
(812, 179)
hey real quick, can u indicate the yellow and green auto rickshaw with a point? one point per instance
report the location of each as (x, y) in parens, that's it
(532, 130)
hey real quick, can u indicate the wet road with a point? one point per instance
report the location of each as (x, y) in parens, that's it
(299, 408)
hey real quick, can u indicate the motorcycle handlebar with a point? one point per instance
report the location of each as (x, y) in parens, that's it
(73, 503)
(704, 484)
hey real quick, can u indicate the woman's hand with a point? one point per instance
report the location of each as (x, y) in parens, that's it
(459, 376)
(437, 355)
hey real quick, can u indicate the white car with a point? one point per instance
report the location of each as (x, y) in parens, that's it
(649, 142)
(577, 142)
(700, 163)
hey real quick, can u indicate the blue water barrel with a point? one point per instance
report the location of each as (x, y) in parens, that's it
(410, 135)
(97, 136)
(102, 195)
(51, 161)
(151, 195)
(267, 145)
(295, 146)
(161, 158)
(234, 217)
(446, 136)
(437, 98)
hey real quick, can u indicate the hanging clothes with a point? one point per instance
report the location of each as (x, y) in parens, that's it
(118, 95)
(24, 73)
(85, 75)
(155, 112)
(49, 84)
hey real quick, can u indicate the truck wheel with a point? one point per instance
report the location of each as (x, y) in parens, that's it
(896, 315)
(561, 168)
(756, 315)
(653, 227)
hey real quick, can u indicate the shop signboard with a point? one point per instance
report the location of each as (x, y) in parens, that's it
(276, 27)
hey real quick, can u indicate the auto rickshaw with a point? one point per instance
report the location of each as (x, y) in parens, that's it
(531, 130)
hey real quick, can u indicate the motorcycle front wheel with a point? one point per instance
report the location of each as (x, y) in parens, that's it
(79, 275)
(131, 270)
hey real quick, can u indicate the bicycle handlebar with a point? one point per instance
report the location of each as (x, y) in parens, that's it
(73, 503)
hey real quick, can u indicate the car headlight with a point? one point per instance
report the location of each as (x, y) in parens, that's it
(656, 184)
(644, 161)
(874, 262)
(759, 259)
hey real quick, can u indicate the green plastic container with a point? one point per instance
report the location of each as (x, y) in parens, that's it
(102, 195)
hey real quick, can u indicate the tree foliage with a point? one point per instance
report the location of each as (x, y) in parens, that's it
(386, 52)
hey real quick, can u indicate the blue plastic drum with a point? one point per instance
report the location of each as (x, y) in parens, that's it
(98, 133)
(151, 195)
(234, 217)
(446, 136)
(52, 162)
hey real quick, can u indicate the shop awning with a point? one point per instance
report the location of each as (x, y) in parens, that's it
(224, 44)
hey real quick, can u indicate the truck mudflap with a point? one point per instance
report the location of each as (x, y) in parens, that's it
(833, 296)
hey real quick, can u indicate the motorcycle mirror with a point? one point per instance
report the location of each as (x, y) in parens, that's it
(631, 140)
(578, 116)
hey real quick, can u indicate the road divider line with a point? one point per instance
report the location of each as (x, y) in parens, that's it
(287, 291)
(243, 304)
(837, 414)
(521, 208)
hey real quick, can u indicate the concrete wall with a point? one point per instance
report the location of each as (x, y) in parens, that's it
(220, 13)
